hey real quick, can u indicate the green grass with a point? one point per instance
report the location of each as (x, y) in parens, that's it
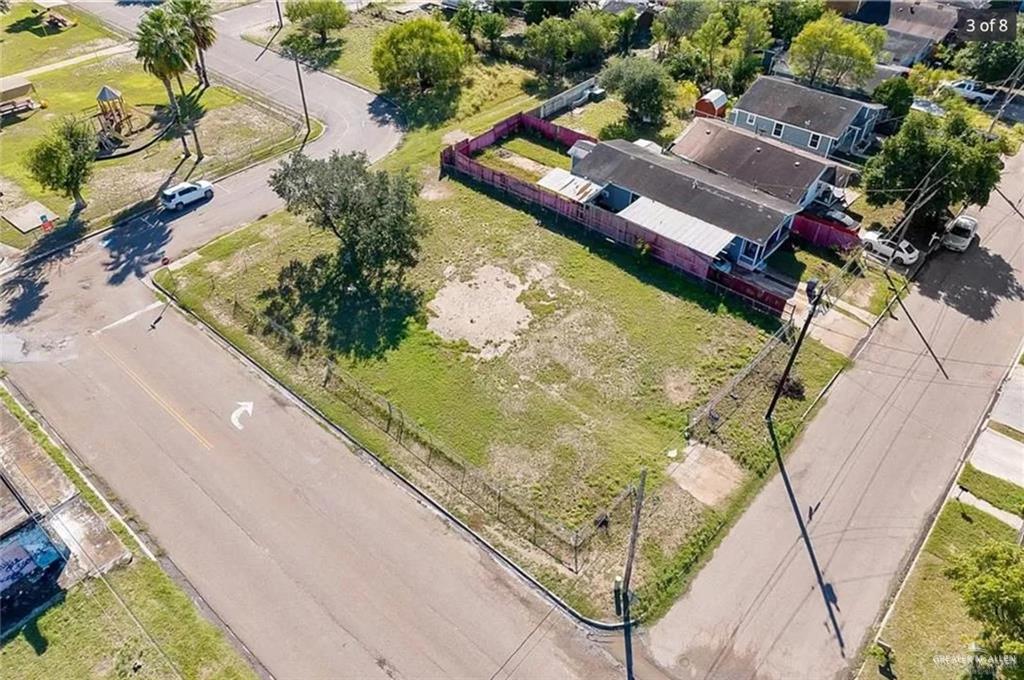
(997, 491)
(1011, 432)
(27, 43)
(232, 131)
(569, 414)
(802, 261)
(493, 160)
(538, 149)
(90, 633)
(607, 120)
(929, 618)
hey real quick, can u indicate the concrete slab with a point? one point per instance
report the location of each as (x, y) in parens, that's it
(37, 478)
(707, 474)
(29, 216)
(1009, 408)
(999, 455)
(11, 513)
(838, 332)
(94, 547)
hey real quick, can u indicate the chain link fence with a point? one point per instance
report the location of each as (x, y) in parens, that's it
(569, 546)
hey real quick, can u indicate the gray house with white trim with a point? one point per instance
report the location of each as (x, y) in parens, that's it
(819, 122)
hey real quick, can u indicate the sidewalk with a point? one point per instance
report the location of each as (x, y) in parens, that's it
(106, 51)
(875, 463)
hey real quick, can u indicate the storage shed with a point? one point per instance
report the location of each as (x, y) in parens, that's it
(712, 104)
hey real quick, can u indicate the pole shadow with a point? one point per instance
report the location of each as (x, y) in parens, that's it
(827, 590)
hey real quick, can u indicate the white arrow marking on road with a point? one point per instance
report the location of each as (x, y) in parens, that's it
(236, 417)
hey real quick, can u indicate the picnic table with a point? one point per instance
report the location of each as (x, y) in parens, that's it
(58, 21)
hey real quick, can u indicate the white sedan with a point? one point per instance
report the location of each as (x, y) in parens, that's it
(885, 248)
(960, 234)
(180, 195)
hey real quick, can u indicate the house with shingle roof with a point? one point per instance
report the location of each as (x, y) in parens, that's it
(818, 122)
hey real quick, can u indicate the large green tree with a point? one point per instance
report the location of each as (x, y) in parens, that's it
(166, 49)
(966, 165)
(491, 26)
(592, 32)
(464, 20)
(790, 16)
(990, 578)
(710, 43)
(836, 51)
(896, 95)
(198, 17)
(678, 20)
(991, 60)
(372, 213)
(547, 44)
(317, 16)
(643, 85)
(62, 161)
(419, 55)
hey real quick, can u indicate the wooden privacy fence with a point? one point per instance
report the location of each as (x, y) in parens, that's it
(570, 547)
(822, 232)
(458, 158)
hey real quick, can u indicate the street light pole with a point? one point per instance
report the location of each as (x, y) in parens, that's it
(815, 297)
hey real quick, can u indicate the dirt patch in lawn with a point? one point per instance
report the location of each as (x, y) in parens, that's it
(433, 187)
(527, 164)
(707, 474)
(484, 311)
(678, 386)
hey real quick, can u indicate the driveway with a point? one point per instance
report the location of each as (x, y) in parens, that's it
(314, 560)
(874, 463)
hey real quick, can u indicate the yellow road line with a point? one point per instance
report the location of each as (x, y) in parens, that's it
(156, 397)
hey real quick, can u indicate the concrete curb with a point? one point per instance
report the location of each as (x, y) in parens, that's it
(38, 257)
(367, 454)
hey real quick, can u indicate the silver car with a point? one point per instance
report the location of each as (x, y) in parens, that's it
(960, 234)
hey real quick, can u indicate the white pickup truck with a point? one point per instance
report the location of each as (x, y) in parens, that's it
(971, 90)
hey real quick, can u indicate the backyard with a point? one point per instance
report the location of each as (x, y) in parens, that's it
(233, 131)
(95, 631)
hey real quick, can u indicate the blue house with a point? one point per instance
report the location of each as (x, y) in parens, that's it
(705, 211)
(815, 121)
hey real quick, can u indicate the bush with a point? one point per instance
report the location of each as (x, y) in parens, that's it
(643, 85)
(420, 55)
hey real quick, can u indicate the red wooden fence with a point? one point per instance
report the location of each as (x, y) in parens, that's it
(822, 232)
(604, 222)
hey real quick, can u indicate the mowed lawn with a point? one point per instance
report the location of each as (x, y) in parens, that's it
(231, 128)
(26, 42)
(929, 628)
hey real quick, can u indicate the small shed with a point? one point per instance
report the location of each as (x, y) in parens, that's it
(712, 104)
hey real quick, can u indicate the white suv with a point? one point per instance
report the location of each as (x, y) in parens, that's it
(885, 248)
(180, 195)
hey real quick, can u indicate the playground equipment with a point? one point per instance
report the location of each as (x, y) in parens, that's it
(113, 122)
(16, 95)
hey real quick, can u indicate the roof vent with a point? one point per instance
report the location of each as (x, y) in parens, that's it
(758, 150)
(796, 164)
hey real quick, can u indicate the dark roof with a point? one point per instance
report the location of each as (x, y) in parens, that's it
(715, 199)
(923, 18)
(903, 48)
(788, 102)
(774, 168)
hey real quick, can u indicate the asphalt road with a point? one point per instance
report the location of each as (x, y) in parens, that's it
(321, 565)
(873, 463)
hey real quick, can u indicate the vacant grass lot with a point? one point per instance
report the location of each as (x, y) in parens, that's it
(929, 619)
(606, 119)
(90, 634)
(232, 131)
(27, 42)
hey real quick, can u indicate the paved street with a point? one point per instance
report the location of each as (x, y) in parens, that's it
(873, 463)
(320, 564)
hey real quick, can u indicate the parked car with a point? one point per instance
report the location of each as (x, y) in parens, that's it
(842, 218)
(180, 195)
(971, 90)
(886, 248)
(960, 234)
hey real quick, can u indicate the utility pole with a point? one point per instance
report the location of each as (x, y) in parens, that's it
(814, 295)
(622, 592)
(280, 19)
(195, 140)
(302, 93)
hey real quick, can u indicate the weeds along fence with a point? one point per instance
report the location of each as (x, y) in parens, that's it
(571, 98)
(603, 223)
(570, 547)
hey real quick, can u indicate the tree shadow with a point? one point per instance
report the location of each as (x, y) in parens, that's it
(543, 86)
(32, 23)
(975, 285)
(23, 293)
(308, 49)
(134, 247)
(429, 109)
(313, 304)
(632, 130)
(383, 112)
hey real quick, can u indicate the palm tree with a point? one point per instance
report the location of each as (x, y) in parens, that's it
(198, 16)
(165, 49)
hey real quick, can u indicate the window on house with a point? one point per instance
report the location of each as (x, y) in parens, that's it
(814, 141)
(751, 119)
(750, 250)
(777, 130)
